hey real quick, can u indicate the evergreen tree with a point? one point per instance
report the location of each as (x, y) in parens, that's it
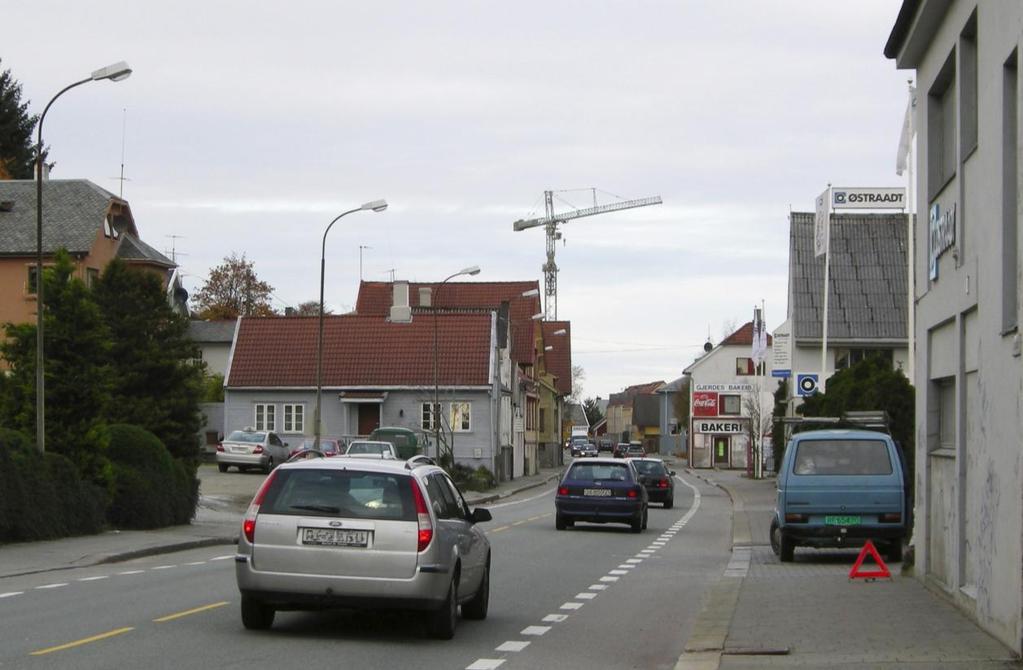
(156, 383)
(17, 151)
(77, 377)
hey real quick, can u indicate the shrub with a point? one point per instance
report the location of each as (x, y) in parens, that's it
(151, 489)
(42, 496)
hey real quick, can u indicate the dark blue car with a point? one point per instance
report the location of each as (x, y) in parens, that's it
(601, 490)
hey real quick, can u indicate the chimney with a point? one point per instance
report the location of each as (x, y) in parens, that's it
(289, 311)
(425, 296)
(400, 310)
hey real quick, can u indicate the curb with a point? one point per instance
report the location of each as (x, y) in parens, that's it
(167, 549)
(507, 494)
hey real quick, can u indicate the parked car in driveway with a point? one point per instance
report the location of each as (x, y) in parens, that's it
(329, 446)
(375, 448)
(601, 490)
(363, 534)
(840, 488)
(658, 480)
(249, 448)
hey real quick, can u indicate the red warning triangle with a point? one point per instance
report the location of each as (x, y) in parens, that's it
(858, 573)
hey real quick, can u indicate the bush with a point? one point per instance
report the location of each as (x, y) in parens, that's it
(42, 496)
(151, 488)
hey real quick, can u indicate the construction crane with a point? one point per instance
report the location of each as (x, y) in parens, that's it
(551, 220)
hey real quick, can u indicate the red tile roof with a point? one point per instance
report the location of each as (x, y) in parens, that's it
(744, 336)
(626, 396)
(375, 298)
(559, 359)
(362, 351)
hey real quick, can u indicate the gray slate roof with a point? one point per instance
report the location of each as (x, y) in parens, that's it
(73, 213)
(134, 249)
(212, 331)
(868, 282)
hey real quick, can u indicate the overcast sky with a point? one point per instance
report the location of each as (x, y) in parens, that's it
(249, 125)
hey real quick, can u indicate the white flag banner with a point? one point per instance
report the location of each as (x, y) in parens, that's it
(821, 230)
(906, 138)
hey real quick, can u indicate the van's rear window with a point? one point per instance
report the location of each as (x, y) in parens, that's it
(842, 457)
(340, 493)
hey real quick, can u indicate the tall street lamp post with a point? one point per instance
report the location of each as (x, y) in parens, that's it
(471, 270)
(376, 206)
(116, 72)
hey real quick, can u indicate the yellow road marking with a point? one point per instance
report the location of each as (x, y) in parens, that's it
(78, 643)
(178, 615)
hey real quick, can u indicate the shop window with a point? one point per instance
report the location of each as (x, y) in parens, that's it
(731, 405)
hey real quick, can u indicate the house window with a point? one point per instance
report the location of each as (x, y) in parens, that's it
(266, 417)
(530, 413)
(426, 417)
(294, 418)
(941, 129)
(91, 277)
(946, 406)
(460, 419)
(968, 86)
(731, 405)
(845, 358)
(31, 283)
(1010, 195)
(543, 419)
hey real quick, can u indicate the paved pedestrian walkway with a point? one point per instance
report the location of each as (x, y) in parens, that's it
(809, 614)
(217, 521)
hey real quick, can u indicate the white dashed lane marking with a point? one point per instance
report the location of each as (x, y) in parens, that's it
(598, 587)
(571, 606)
(586, 596)
(485, 664)
(94, 579)
(535, 630)
(555, 618)
(11, 594)
(51, 586)
(513, 645)
(609, 579)
(131, 572)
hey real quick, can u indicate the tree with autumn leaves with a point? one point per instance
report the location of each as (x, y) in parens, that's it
(232, 290)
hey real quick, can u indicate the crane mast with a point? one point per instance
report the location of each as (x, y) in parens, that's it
(550, 223)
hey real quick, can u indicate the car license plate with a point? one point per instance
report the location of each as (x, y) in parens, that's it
(596, 492)
(842, 520)
(238, 450)
(335, 537)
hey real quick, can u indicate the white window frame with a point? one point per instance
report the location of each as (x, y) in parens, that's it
(264, 419)
(462, 421)
(426, 417)
(295, 423)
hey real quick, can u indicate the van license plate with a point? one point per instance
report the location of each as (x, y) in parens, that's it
(335, 537)
(841, 520)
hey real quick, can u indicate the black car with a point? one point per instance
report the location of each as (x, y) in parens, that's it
(601, 490)
(658, 480)
(588, 450)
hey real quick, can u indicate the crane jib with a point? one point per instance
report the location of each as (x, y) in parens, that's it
(588, 211)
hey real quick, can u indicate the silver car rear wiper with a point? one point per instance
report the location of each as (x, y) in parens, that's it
(318, 508)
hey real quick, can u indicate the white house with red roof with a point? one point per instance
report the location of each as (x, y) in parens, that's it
(725, 387)
(377, 371)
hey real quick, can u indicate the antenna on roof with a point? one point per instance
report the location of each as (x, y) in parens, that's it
(173, 251)
(122, 178)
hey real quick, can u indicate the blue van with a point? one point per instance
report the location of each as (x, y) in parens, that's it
(839, 488)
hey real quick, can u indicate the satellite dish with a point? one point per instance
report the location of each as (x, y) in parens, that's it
(708, 346)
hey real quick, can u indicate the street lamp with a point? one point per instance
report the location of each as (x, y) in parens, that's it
(471, 270)
(116, 72)
(375, 206)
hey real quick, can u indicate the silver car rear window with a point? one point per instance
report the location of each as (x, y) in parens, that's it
(599, 471)
(340, 493)
(842, 457)
(243, 436)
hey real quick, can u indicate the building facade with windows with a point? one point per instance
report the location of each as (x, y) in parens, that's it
(376, 372)
(729, 397)
(969, 461)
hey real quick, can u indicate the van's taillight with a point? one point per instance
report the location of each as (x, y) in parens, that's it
(249, 523)
(423, 516)
(562, 490)
(891, 517)
(796, 518)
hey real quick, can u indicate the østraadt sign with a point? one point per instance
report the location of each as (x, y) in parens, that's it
(868, 198)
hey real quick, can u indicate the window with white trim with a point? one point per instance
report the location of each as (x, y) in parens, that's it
(294, 418)
(426, 417)
(731, 405)
(266, 416)
(460, 417)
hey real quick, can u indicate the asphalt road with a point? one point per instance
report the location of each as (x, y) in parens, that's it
(592, 597)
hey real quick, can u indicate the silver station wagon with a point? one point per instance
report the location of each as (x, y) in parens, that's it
(363, 534)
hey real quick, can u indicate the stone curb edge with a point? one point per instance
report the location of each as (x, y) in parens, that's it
(507, 494)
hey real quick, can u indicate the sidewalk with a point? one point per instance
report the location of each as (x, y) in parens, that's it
(217, 521)
(809, 614)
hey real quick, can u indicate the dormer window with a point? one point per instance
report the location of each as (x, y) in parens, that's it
(109, 230)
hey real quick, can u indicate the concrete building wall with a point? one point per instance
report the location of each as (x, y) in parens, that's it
(968, 367)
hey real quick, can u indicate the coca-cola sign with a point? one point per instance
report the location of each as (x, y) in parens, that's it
(705, 403)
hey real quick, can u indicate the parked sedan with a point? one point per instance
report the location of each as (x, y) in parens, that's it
(249, 448)
(657, 479)
(601, 490)
(329, 446)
